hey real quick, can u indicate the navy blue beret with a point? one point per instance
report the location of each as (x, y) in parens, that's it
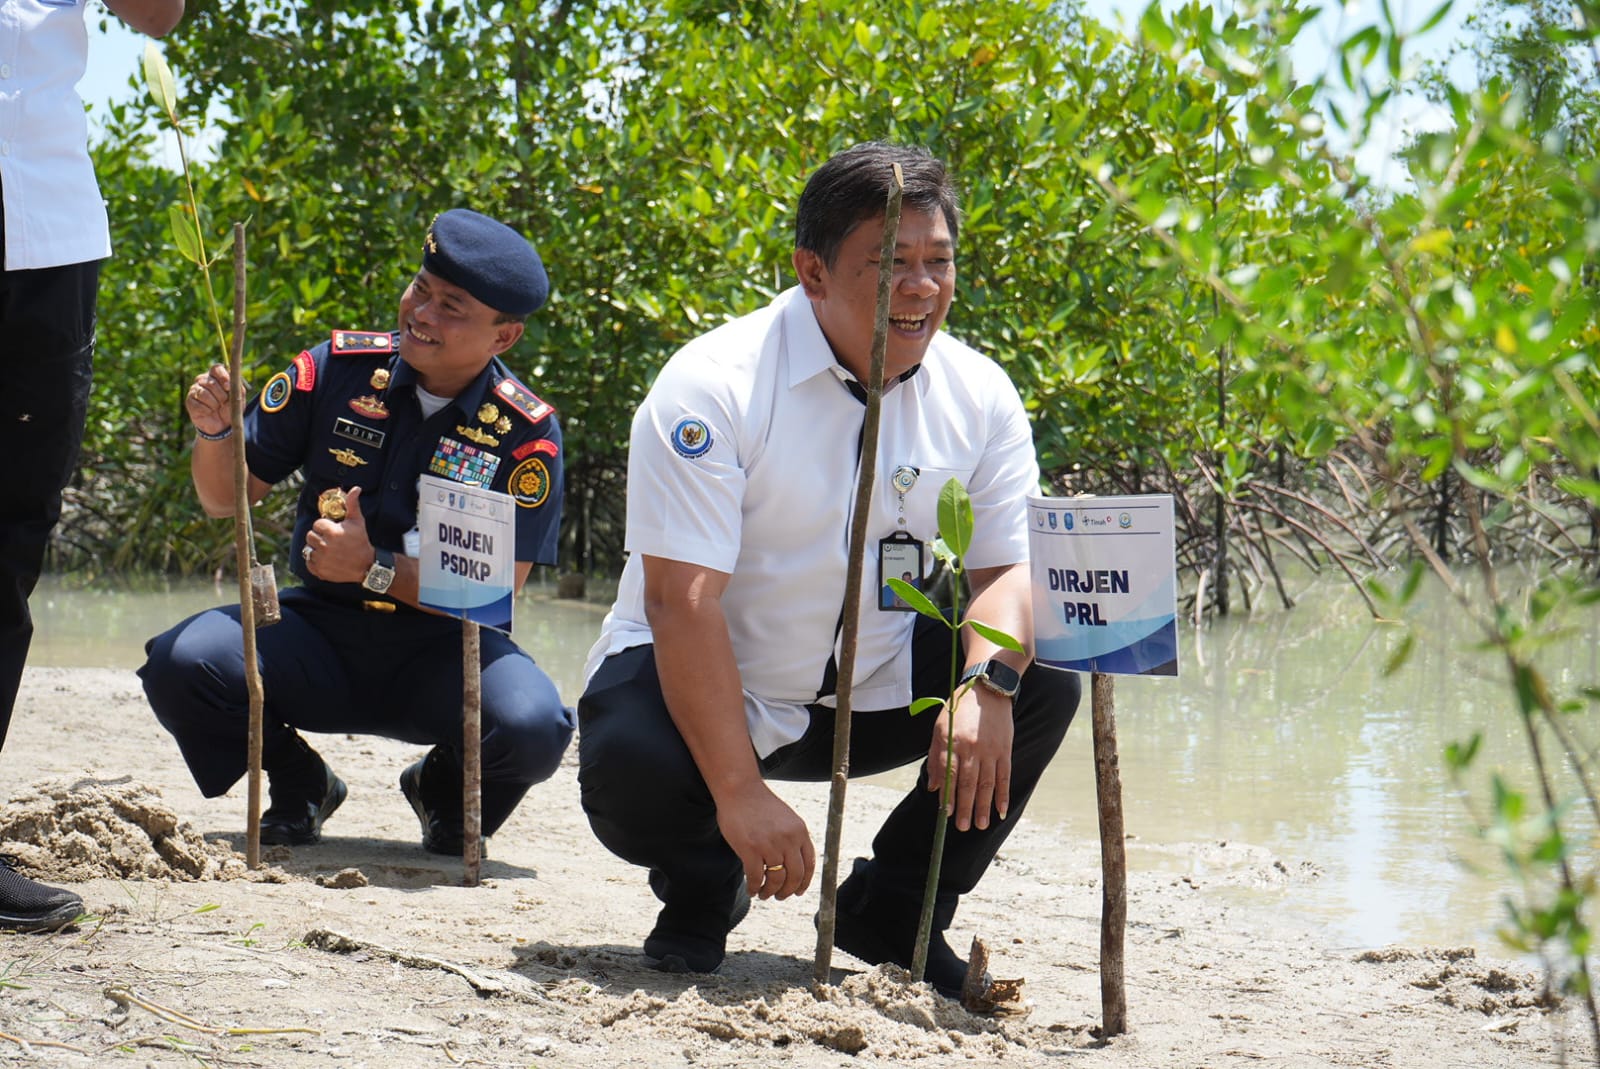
(487, 259)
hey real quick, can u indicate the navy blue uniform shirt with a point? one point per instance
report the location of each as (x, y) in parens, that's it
(346, 412)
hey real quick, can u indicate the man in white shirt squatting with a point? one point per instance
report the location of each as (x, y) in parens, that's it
(715, 670)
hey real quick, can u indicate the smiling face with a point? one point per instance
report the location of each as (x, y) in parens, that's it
(447, 335)
(845, 295)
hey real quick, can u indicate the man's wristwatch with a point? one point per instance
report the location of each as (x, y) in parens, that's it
(994, 675)
(381, 574)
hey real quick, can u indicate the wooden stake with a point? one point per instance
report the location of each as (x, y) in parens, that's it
(471, 754)
(1113, 856)
(244, 551)
(827, 909)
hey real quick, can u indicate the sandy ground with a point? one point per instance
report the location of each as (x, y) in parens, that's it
(366, 951)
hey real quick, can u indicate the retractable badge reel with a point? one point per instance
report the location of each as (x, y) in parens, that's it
(899, 555)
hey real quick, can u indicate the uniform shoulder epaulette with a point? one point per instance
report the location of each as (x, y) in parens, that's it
(523, 400)
(355, 342)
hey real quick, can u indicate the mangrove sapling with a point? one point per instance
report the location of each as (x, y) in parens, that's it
(955, 537)
(258, 595)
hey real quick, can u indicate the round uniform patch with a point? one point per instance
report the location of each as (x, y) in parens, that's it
(276, 393)
(530, 483)
(691, 437)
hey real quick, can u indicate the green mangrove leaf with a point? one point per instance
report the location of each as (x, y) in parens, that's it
(1460, 755)
(925, 703)
(1402, 653)
(955, 517)
(915, 598)
(186, 233)
(995, 635)
(158, 78)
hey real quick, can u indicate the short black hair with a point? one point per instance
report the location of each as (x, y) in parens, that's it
(853, 187)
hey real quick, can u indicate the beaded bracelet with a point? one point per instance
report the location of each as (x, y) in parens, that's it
(220, 436)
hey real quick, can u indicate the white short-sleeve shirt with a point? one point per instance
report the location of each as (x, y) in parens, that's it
(53, 211)
(743, 459)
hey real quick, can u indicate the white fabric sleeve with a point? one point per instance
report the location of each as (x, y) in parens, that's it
(1006, 474)
(684, 502)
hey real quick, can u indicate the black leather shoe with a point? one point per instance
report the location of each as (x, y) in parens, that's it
(442, 831)
(692, 937)
(29, 906)
(886, 932)
(297, 820)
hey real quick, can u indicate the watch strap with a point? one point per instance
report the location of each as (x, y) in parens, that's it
(994, 675)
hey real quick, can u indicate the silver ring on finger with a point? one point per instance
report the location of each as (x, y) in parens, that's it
(305, 552)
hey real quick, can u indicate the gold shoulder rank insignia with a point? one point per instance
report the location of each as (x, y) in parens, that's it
(523, 400)
(348, 342)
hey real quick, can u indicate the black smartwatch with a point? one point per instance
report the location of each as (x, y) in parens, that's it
(994, 675)
(381, 574)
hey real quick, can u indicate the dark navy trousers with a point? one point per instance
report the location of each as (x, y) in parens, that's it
(329, 666)
(648, 804)
(46, 359)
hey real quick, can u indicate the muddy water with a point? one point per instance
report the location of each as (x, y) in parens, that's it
(1281, 732)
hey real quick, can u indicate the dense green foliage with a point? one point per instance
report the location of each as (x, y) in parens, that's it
(655, 153)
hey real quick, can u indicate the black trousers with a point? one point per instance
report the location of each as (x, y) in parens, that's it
(46, 358)
(330, 667)
(648, 804)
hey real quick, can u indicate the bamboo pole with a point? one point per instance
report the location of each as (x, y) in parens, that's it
(1113, 856)
(827, 910)
(471, 754)
(244, 554)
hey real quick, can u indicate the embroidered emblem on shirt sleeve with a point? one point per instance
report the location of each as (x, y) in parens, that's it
(276, 392)
(691, 437)
(530, 483)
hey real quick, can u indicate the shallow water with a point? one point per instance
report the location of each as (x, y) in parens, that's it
(1280, 732)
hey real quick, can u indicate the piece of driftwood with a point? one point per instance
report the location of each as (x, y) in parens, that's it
(982, 993)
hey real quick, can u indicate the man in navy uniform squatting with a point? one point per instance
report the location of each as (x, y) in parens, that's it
(369, 413)
(715, 670)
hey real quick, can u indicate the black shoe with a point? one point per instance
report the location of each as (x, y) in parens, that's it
(442, 831)
(885, 932)
(29, 906)
(295, 820)
(692, 937)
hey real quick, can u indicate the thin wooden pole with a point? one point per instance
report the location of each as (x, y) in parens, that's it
(244, 557)
(1113, 856)
(471, 754)
(827, 909)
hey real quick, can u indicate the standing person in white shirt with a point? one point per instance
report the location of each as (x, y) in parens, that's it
(716, 668)
(53, 235)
